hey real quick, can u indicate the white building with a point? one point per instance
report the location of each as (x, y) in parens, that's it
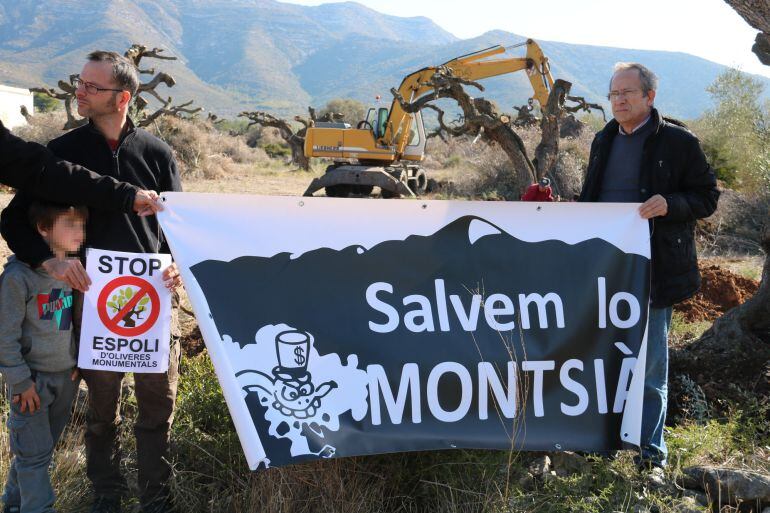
(11, 100)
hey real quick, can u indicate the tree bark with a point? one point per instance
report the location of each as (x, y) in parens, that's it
(752, 318)
(547, 152)
(757, 14)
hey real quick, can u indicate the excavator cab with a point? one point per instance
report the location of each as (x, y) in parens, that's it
(378, 125)
(382, 119)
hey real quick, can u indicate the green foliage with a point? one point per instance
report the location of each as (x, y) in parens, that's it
(683, 331)
(44, 103)
(352, 110)
(750, 428)
(201, 407)
(122, 297)
(692, 444)
(237, 126)
(207, 455)
(725, 169)
(276, 150)
(735, 134)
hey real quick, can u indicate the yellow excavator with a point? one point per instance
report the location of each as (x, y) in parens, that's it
(385, 149)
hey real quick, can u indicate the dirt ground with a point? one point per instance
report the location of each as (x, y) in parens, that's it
(720, 291)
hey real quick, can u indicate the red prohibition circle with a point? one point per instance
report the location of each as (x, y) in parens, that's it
(111, 323)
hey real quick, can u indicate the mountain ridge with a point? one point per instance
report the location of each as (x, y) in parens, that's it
(283, 57)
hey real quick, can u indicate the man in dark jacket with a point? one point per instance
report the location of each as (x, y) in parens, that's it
(111, 144)
(31, 167)
(642, 157)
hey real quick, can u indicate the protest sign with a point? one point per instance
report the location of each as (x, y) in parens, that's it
(126, 313)
(342, 327)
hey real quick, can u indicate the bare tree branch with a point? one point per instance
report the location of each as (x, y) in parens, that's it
(136, 52)
(25, 113)
(213, 119)
(480, 118)
(295, 140)
(149, 87)
(67, 95)
(583, 105)
(169, 110)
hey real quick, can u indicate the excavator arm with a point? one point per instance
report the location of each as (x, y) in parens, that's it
(474, 66)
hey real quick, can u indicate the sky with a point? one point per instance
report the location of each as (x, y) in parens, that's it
(706, 28)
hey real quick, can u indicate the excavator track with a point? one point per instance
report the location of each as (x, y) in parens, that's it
(343, 180)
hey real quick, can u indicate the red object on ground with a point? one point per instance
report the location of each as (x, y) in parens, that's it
(535, 194)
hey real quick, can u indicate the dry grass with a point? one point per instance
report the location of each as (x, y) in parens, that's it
(202, 152)
(736, 225)
(43, 128)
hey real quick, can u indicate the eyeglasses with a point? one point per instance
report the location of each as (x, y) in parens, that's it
(92, 88)
(625, 93)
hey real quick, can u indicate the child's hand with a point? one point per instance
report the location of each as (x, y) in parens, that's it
(75, 374)
(171, 278)
(29, 400)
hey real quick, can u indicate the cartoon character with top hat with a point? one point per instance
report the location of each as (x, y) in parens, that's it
(290, 387)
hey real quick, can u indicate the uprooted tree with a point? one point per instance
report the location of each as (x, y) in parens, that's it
(67, 95)
(569, 127)
(481, 119)
(295, 139)
(142, 118)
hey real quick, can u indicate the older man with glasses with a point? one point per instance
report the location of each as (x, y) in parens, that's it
(643, 157)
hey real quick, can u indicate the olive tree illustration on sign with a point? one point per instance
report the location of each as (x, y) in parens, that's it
(121, 299)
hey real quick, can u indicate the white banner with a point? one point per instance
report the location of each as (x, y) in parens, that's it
(357, 326)
(126, 313)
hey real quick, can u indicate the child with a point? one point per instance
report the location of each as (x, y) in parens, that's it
(37, 358)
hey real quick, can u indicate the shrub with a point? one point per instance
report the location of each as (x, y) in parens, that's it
(44, 103)
(352, 110)
(261, 136)
(275, 150)
(43, 127)
(736, 225)
(735, 133)
(485, 170)
(201, 151)
(567, 180)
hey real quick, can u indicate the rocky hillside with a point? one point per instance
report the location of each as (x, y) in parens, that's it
(264, 54)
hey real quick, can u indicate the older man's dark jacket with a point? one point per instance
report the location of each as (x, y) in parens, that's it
(674, 166)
